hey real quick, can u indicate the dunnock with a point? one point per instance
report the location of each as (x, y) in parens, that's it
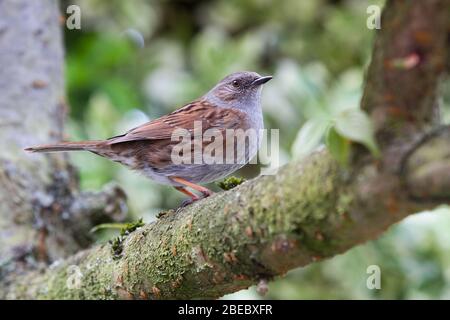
(234, 103)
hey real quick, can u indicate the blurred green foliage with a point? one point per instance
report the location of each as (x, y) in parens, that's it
(137, 60)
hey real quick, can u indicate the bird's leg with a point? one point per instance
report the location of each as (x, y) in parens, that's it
(204, 191)
(192, 197)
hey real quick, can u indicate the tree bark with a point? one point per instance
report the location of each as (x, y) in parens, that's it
(43, 216)
(310, 210)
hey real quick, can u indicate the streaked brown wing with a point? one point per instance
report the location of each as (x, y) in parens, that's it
(162, 128)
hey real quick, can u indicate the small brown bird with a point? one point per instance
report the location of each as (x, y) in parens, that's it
(233, 104)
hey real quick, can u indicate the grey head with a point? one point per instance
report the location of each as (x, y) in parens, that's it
(240, 90)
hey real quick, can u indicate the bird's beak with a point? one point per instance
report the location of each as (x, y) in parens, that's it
(261, 80)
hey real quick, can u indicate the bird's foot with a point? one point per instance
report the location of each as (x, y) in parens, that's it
(186, 202)
(206, 193)
(192, 196)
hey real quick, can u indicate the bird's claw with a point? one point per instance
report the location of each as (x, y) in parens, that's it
(189, 201)
(206, 194)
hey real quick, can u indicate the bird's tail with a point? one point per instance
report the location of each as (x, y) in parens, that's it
(66, 146)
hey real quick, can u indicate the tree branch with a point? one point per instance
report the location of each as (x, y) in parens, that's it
(310, 210)
(261, 229)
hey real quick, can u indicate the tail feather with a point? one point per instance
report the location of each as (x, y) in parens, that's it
(65, 146)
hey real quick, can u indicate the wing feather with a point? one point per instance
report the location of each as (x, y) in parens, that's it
(162, 128)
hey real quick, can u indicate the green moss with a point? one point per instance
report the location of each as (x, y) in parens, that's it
(116, 243)
(131, 226)
(230, 183)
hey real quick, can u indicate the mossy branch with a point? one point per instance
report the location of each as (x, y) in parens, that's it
(259, 230)
(308, 211)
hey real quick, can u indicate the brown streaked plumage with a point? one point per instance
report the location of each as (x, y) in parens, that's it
(234, 103)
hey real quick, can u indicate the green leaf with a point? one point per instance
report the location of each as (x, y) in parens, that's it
(125, 228)
(355, 125)
(338, 146)
(309, 137)
(102, 226)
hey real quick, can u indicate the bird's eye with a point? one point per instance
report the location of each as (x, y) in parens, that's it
(235, 83)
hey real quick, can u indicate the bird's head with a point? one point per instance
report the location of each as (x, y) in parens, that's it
(238, 90)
